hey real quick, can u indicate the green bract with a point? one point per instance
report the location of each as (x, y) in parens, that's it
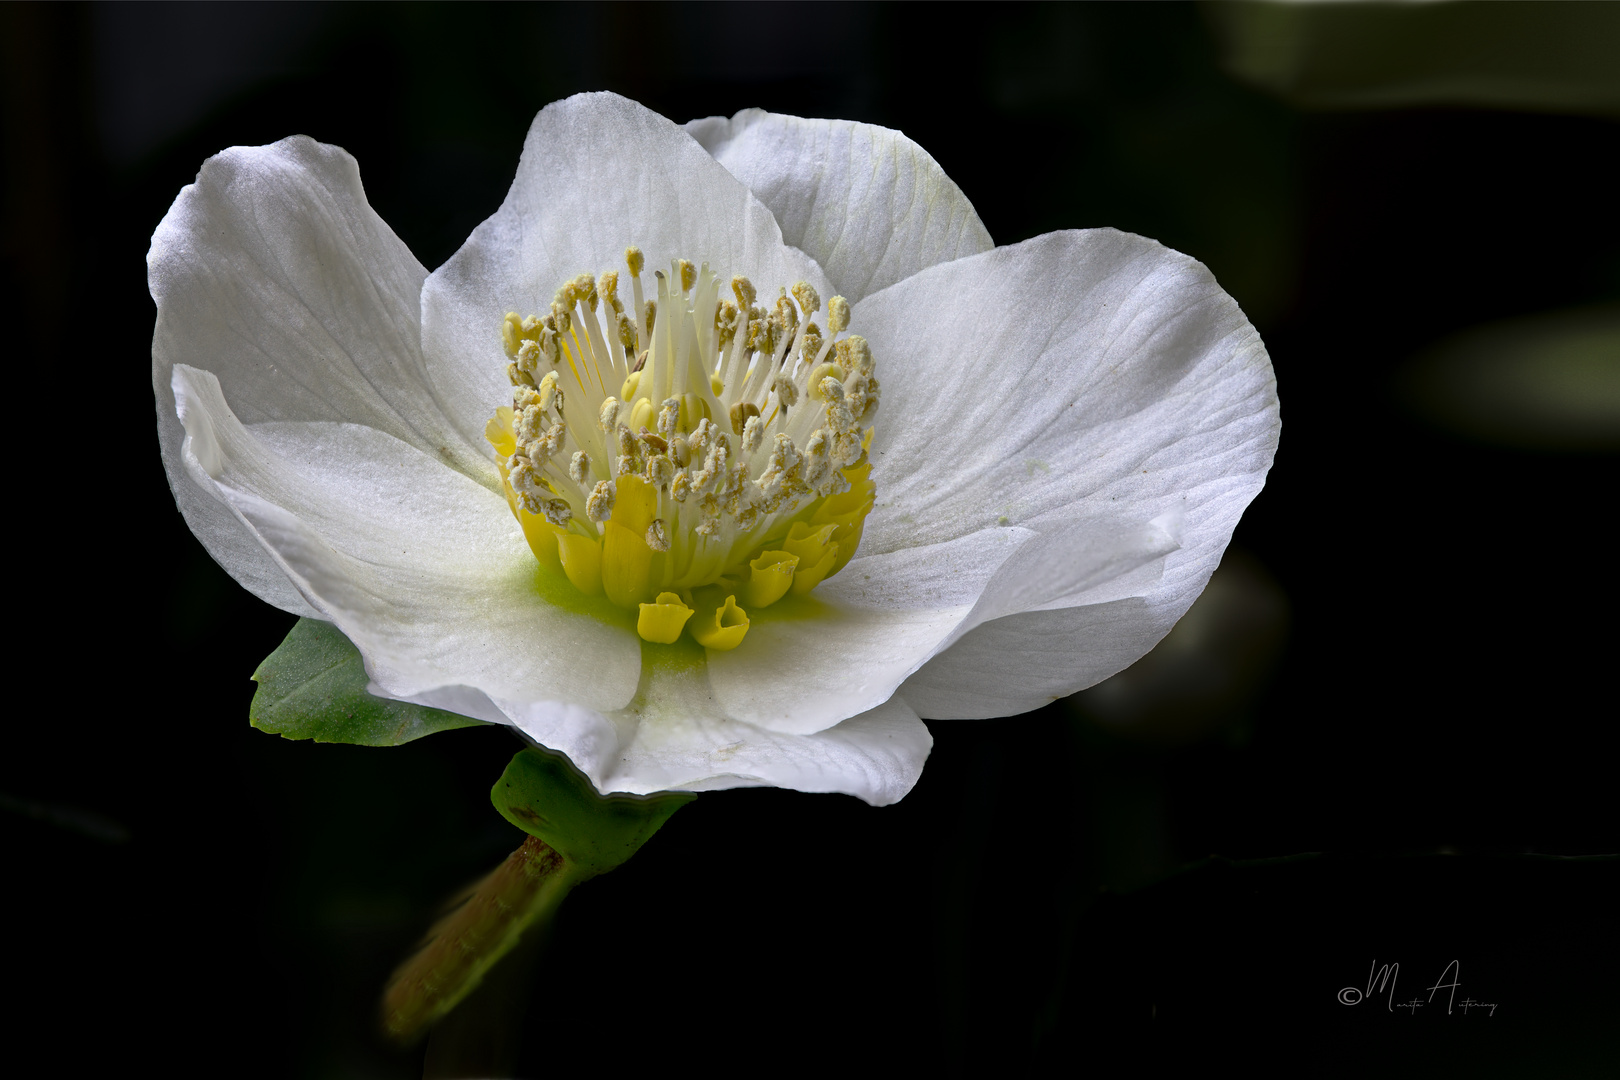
(546, 797)
(314, 687)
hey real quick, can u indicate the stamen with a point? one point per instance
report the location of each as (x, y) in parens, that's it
(600, 506)
(656, 498)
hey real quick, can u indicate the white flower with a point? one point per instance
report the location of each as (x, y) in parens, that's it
(1069, 430)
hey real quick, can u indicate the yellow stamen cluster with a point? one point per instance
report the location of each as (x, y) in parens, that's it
(717, 450)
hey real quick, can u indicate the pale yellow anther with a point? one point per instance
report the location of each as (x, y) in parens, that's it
(652, 312)
(564, 320)
(680, 451)
(661, 622)
(688, 274)
(838, 315)
(552, 441)
(726, 316)
(680, 487)
(607, 284)
(658, 535)
(599, 507)
(579, 468)
(523, 397)
(782, 468)
(511, 332)
(660, 472)
(810, 342)
(529, 424)
(753, 433)
(817, 457)
(740, 414)
(702, 434)
(744, 290)
(528, 355)
(523, 478)
(787, 391)
(846, 447)
(870, 408)
(669, 414)
(634, 260)
(584, 289)
(816, 384)
(629, 445)
(517, 376)
(608, 416)
(854, 354)
(557, 511)
(719, 458)
(786, 318)
(809, 300)
(627, 332)
(761, 335)
(548, 393)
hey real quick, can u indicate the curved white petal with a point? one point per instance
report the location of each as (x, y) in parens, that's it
(809, 662)
(273, 273)
(867, 203)
(672, 738)
(1022, 662)
(598, 174)
(423, 569)
(1093, 387)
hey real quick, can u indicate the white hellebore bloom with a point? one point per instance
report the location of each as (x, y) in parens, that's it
(602, 475)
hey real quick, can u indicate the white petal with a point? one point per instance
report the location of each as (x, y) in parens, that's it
(423, 569)
(598, 174)
(809, 662)
(867, 203)
(272, 272)
(1023, 662)
(1096, 388)
(673, 739)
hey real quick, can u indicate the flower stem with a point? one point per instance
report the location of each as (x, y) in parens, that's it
(524, 890)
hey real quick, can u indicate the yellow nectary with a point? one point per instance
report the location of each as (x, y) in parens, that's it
(694, 443)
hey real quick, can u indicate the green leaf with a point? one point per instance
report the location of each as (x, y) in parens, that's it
(543, 794)
(314, 687)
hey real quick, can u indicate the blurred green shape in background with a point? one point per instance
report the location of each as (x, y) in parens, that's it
(1548, 382)
(1552, 57)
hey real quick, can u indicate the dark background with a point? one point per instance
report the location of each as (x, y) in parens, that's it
(1409, 668)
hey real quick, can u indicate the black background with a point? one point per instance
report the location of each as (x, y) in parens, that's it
(185, 893)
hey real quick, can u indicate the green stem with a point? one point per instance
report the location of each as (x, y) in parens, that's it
(524, 890)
